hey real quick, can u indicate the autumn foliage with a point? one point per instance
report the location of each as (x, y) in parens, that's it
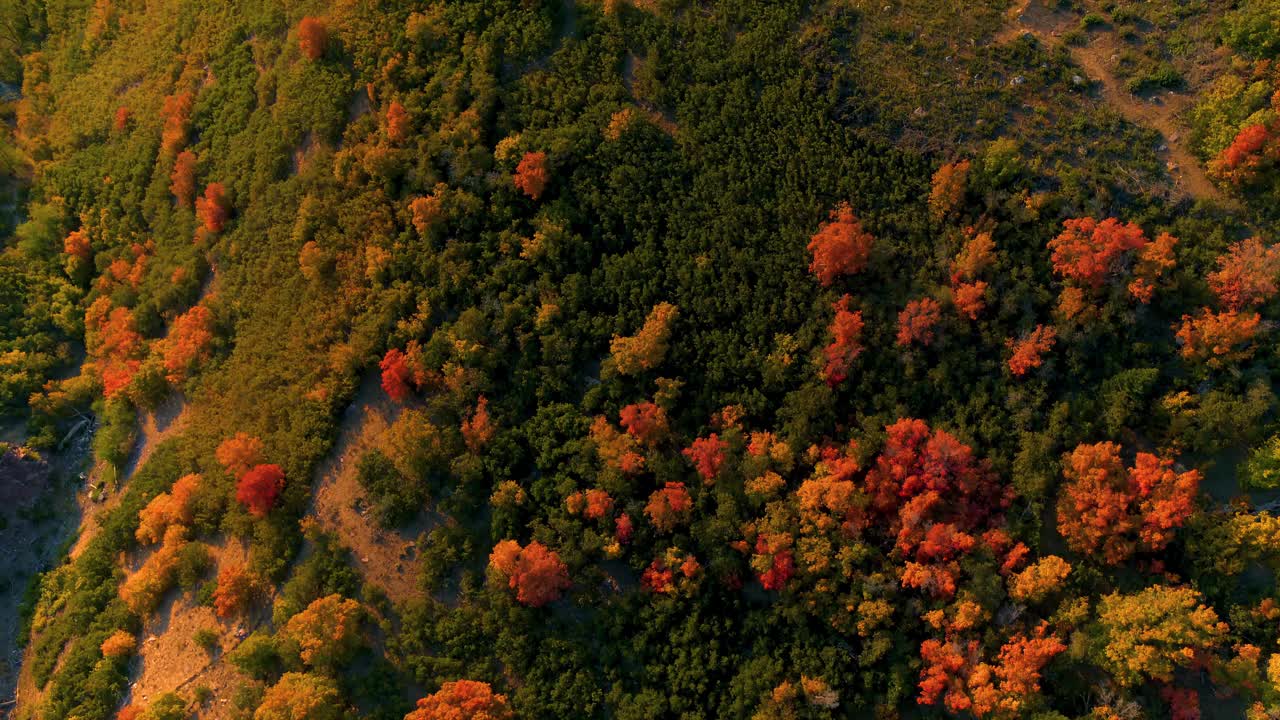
(462, 700)
(669, 507)
(1246, 275)
(617, 450)
(258, 489)
(956, 675)
(840, 247)
(1240, 162)
(176, 112)
(532, 174)
(239, 453)
(1155, 259)
(119, 644)
(1112, 512)
(645, 422)
(1040, 579)
(141, 591)
(1154, 631)
(478, 429)
(182, 181)
(301, 696)
(327, 632)
(534, 571)
(76, 244)
(114, 344)
(646, 349)
(1028, 353)
(399, 124)
(707, 455)
(1088, 251)
(213, 207)
(313, 36)
(188, 342)
(846, 342)
(1218, 339)
(396, 375)
(166, 509)
(235, 591)
(917, 320)
(946, 191)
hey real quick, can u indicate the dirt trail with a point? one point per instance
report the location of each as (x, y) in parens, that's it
(1159, 114)
(385, 558)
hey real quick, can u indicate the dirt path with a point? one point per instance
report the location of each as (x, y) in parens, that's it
(385, 558)
(1159, 113)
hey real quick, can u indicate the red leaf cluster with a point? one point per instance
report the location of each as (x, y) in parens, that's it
(1028, 352)
(1246, 275)
(213, 208)
(846, 342)
(534, 571)
(917, 320)
(313, 36)
(532, 174)
(1088, 251)
(669, 506)
(259, 488)
(707, 455)
(840, 247)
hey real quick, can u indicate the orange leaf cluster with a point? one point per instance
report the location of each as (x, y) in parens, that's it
(616, 449)
(1088, 251)
(166, 509)
(176, 112)
(1107, 510)
(239, 453)
(646, 349)
(463, 700)
(76, 244)
(426, 212)
(840, 247)
(1028, 352)
(1246, 275)
(478, 429)
(917, 321)
(1240, 162)
(313, 36)
(113, 343)
(213, 208)
(532, 174)
(646, 422)
(188, 342)
(119, 644)
(773, 560)
(534, 571)
(956, 675)
(846, 342)
(235, 591)
(1218, 339)
(1154, 260)
(141, 591)
(182, 181)
(669, 507)
(1040, 579)
(327, 632)
(121, 120)
(947, 189)
(399, 124)
(671, 572)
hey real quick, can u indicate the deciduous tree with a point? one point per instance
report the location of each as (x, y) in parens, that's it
(301, 696)
(1246, 275)
(840, 247)
(1146, 635)
(182, 181)
(239, 453)
(1218, 339)
(213, 207)
(313, 37)
(707, 455)
(946, 192)
(669, 507)
(1088, 251)
(646, 349)
(258, 489)
(917, 320)
(846, 342)
(1028, 353)
(463, 700)
(532, 174)
(327, 632)
(534, 571)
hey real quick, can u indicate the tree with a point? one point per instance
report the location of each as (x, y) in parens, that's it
(120, 122)
(535, 572)
(669, 507)
(188, 343)
(1149, 633)
(396, 375)
(1106, 511)
(1246, 275)
(113, 343)
(917, 321)
(258, 489)
(239, 453)
(646, 349)
(213, 207)
(599, 504)
(946, 192)
(119, 644)
(773, 561)
(1154, 260)
(970, 298)
(1088, 251)
(76, 244)
(646, 422)
(313, 36)
(399, 124)
(182, 181)
(617, 450)
(142, 590)
(462, 700)
(955, 673)
(707, 455)
(235, 591)
(166, 509)
(478, 430)
(1218, 339)
(301, 696)
(846, 342)
(327, 632)
(1039, 580)
(976, 256)
(840, 247)
(1239, 163)
(532, 174)
(426, 212)
(176, 112)
(1028, 352)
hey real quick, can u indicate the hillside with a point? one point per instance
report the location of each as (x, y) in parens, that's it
(639, 359)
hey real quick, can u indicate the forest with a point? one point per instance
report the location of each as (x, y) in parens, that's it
(639, 359)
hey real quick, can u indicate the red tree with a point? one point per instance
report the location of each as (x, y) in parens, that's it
(645, 422)
(313, 36)
(1218, 339)
(396, 375)
(532, 174)
(399, 124)
(1027, 352)
(213, 208)
(1239, 162)
(1088, 251)
(773, 551)
(970, 298)
(182, 181)
(917, 320)
(840, 247)
(121, 120)
(707, 456)
(478, 430)
(188, 342)
(258, 489)
(846, 342)
(534, 571)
